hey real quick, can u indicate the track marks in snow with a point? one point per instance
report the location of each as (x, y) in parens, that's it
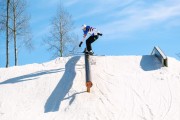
(121, 90)
(154, 93)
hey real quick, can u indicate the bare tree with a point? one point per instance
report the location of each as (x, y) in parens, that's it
(7, 34)
(3, 26)
(61, 40)
(0, 18)
(20, 26)
(2, 15)
(14, 21)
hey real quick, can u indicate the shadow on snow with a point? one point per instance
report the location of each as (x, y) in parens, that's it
(150, 62)
(31, 76)
(58, 95)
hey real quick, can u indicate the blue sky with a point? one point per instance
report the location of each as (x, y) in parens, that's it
(129, 27)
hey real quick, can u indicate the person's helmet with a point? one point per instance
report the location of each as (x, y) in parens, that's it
(83, 26)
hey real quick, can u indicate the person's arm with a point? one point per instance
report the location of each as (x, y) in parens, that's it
(82, 40)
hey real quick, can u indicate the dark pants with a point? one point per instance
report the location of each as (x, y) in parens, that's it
(90, 40)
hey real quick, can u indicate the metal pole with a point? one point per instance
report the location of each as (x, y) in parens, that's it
(88, 72)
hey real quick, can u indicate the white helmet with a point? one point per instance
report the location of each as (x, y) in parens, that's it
(83, 26)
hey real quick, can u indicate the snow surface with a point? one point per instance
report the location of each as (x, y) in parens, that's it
(124, 88)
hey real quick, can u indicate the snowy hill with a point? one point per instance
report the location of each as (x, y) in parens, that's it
(124, 88)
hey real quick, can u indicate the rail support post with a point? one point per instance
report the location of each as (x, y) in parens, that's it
(88, 72)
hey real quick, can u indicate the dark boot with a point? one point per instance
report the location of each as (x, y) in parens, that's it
(91, 52)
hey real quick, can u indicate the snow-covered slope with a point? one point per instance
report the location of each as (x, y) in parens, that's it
(124, 88)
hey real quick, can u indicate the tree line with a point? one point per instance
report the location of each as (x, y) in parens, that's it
(15, 26)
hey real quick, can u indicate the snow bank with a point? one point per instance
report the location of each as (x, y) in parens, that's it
(124, 88)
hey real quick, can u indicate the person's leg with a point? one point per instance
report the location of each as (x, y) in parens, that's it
(90, 40)
(88, 43)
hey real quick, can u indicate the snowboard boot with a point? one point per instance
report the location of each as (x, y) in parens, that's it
(90, 52)
(85, 50)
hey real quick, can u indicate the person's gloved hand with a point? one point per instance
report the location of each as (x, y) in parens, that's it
(80, 44)
(100, 34)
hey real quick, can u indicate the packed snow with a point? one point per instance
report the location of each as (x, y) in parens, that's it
(124, 88)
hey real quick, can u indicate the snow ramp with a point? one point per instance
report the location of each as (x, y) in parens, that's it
(124, 88)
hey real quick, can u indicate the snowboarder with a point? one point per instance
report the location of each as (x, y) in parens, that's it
(94, 34)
